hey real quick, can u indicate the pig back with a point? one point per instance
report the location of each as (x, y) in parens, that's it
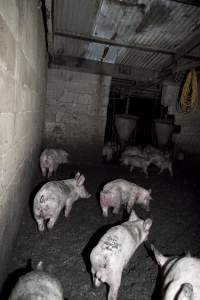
(37, 285)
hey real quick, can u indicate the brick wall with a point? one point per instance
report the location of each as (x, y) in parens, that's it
(76, 112)
(22, 89)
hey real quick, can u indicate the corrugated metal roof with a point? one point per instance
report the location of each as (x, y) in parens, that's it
(163, 24)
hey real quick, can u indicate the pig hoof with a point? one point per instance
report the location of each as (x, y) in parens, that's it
(41, 229)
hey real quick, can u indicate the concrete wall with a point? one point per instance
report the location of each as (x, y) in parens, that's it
(188, 139)
(76, 112)
(23, 89)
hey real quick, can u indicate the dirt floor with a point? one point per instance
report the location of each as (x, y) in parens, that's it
(175, 211)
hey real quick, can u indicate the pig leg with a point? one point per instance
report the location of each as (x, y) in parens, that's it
(161, 170)
(114, 283)
(68, 207)
(116, 209)
(50, 172)
(105, 210)
(145, 171)
(40, 223)
(44, 171)
(130, 204)
(170, 170)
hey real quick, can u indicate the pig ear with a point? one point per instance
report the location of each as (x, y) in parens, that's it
(78, 174)
(147, 224)
(149, 191)
(186, 291)
(80, 180)
(161, 259)
(133, 216)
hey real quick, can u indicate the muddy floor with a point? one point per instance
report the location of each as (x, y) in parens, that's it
(175, 211)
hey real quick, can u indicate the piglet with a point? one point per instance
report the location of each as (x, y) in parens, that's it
(109, 150)
(50, 159)
(162, 161)
(180, 276)
(121, 192)
(37, 285)
(114, 250)
(54, 196)
(136, 162)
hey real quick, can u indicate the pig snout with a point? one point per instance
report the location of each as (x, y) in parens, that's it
(147, 207)
(84, 193)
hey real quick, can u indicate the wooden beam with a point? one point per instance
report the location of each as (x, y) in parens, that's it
(99, 40)
(102, 68)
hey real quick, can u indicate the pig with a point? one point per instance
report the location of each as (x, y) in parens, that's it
(122, 192)
(161, 161)
(134, 150)
(114, 250)
(180, 276)
(37, 285)
(109, 150)
(136, 161)
(54, 196)
(50, 159)
(152, 150)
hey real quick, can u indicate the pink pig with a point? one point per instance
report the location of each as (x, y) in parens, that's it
(114, 250)
(122, 192)
(181, 276)
(56, 195)
(50, 159)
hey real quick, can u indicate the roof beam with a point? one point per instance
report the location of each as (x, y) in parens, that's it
(192, 42)
(111, 42)
(188, 2)
(102, 68)
(186, 67)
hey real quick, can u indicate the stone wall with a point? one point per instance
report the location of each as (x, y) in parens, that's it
(23, 90)
(76, 112)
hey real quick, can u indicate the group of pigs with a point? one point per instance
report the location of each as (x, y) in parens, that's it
(136, 157)
(181, 275)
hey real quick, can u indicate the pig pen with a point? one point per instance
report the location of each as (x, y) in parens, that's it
(175, 210)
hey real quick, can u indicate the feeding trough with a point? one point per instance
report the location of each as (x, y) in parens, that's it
(163, 129)
(125, 124)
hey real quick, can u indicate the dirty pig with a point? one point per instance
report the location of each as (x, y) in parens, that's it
(114, 250)
(56, 195)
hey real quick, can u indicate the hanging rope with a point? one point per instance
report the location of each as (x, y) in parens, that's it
(189, 95)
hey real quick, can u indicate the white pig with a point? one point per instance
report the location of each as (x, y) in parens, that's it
(50, 159)
(122, 192)
(180, 276)
(114, 250)
(37, 285)
(54, 196)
